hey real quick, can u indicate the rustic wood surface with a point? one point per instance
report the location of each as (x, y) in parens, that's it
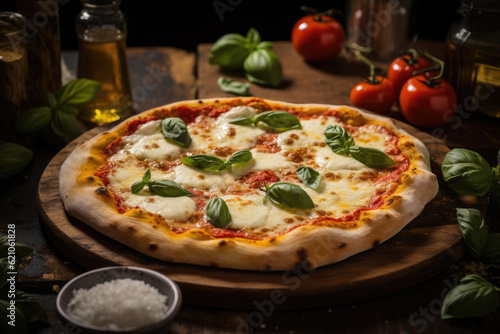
(430, 244)
(412, 310)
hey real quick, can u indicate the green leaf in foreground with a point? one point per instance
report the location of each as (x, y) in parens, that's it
(263, 67)
(65, 125)
(214, 164)
(165, 188)
(229, 51)
(175, 131)
(309, 176)
(78, 92)
(31, 307)
(288, 194)
(217, 212)
(338, 139)
(279, 121)
(474, 297)
(473, 229)
(491, 250)
(467, 172)
(13, 158)
(234, 86)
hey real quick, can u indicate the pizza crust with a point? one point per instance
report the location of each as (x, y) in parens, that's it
(311, 246)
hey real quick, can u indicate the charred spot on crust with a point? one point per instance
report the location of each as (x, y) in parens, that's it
(214, 264)
(200, 101)
(303, 260)
(131, 229)
(272, 240)
(101, 191)
(268, 267)
(376, 243)
(153, 246)
(222, 243)
(342, 245)
(90, 178)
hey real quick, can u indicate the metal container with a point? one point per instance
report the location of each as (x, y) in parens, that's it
(378, 28)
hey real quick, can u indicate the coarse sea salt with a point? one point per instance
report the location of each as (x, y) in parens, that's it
(118, 304)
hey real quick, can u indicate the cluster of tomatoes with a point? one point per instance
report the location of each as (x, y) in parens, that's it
(413, 80)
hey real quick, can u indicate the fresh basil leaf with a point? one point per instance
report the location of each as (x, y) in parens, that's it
(67, 109)
(280, 121)
(242, 121)
(217, 212)
(65, 125)
(31, 307)
(52, 100)
(240, 157)
(147, 176)
(21, 326)
(474, 230)
(495, 189)
(309, 176)
(491, 250)
(467, 172)
(371, 157)
(204, 162)
(175, 130)
(137, 187)
(33, 120)
(78, 92)
(290, 195)
(229, 51)
(234, 86)
(265, 45)
(13, 158)
(253, 36)
(263, 67)
(338, 139)
(474, 297)
(167, 188)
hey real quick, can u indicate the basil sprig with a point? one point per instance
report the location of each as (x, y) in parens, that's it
(234, 86)
(13, 158)
(263, 67)
(483, 246)
(467, 172)
(474, 297)
(279, 121)
(165, 188)
(288, 194)
(176, 132)
(309, 176)
(341, 142)
(234, 51)
(215, 164)
(62, 110)
(217, 212)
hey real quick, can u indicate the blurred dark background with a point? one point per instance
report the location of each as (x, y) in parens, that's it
(184, 24)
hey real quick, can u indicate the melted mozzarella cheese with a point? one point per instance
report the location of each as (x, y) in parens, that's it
(199, 179)
(180, 208)
(327, 159)
(263, 161)
(311, 133)
(247, 211)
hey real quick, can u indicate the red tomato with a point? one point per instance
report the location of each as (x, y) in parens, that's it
(402, 68)
(427, 104)
(377, 96)
(317, 37)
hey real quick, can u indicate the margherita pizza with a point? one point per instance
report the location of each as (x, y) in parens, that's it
(249, 183)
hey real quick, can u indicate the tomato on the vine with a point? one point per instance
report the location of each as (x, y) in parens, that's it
(374, 94)
(318, 37)
(427, 102)
(402, 68)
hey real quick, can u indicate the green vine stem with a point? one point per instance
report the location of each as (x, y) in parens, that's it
(431, 82)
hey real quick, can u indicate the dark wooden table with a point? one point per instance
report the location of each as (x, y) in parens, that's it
(163, 75)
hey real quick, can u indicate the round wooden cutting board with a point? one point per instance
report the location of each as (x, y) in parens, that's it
(425, 247)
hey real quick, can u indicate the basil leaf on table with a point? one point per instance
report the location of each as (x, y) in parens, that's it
(280, 121)
(33, 120)
(64, 125)
(308, 176)
(371, 157)
(204, 162)
(341, 142)
(263, 67)
(234, 86)
(13, 158)
(474, 230)
(175, 131)
(338, 139)
(288, 194)
(491, 250)
(217, 212)
(229, 51)
(474, 297)
(78, 92)
(467, 172)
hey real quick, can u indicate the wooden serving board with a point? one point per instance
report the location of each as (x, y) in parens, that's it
(427, 246)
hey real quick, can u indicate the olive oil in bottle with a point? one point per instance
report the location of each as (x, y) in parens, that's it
(102, 57)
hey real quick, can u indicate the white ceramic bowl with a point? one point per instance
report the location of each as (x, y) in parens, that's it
(89, 279)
